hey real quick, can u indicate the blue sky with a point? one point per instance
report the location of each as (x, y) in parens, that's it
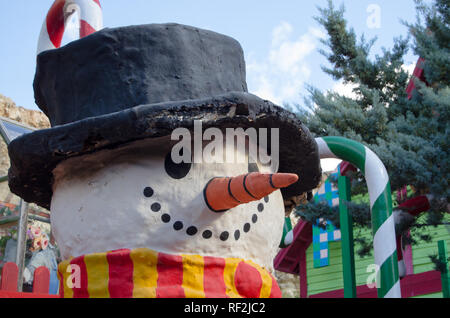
(280, 38)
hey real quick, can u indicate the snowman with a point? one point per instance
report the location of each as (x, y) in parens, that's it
(156, 167)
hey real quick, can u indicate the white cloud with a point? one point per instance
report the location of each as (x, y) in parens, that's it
(281, 33)
(281, 75)
(287, 56)
(347, 89)
(318, 33)
(344, 89)
(409, 68)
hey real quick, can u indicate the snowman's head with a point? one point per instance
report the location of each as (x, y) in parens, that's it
(138, 196)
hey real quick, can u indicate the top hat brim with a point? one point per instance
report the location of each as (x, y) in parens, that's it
(34, 156)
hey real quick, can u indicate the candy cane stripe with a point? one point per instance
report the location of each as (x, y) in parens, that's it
(376, 175)
(392, 292)
(91, 14)
(348, 150)
(44, 40)
(383, 206)
(384, 245)
(387, 286)
(85, 29)
(98, 3)
(324, 150)
(52, 31)
(378, 185)
(289, 238)
(54, 23)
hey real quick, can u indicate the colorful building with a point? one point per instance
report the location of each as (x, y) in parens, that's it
(316, 257)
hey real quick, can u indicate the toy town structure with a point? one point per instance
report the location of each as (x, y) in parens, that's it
(324, 268)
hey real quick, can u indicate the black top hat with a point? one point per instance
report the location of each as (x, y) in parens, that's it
(124, 84)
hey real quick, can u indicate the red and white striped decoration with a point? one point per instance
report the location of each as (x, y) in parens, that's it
(407, 211)
(89, 13)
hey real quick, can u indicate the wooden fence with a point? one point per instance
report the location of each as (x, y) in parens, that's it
(41, 283)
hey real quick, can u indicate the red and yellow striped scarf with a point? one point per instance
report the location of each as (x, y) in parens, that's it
(144, 273)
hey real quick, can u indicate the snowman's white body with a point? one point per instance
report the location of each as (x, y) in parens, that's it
(99, 205)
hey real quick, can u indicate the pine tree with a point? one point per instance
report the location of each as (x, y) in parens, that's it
(410, 135)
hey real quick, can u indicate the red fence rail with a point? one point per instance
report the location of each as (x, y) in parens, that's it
(41, 283)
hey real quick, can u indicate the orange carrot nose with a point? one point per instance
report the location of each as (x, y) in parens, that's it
(222, 194)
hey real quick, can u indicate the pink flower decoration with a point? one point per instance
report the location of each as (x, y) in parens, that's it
(44, 244)
(37, 231)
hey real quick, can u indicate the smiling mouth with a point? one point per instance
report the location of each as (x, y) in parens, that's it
(255, 186)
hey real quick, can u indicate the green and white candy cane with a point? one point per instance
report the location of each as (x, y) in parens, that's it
(383, 227)
(288, 233)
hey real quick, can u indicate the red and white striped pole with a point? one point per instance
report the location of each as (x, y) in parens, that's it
(52, 31)
(406, 212)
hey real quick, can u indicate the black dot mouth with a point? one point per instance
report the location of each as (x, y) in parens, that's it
(207, 234)
(148, 192)
(165, 218)
(178, 225)
(260, 207)
(224, 235)
(156, 207)
(192, 230)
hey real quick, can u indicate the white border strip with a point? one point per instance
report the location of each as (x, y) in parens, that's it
(44, 42)
(91, 13)
(395, 291)
(324, 151)
(376, 176)
(384, 243)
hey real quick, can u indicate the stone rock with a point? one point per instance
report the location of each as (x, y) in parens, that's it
(33, 118)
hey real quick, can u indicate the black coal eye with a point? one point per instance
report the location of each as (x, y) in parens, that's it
(176, 170)
(252, 166)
